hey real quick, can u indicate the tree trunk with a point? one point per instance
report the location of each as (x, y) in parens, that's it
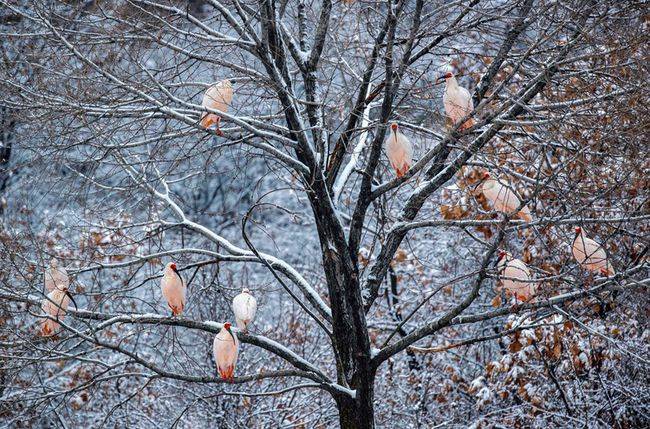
(358, 413)
(350, 332)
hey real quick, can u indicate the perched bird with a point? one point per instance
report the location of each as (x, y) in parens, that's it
(503, 197)
(457, 101)
(244, 306)
(515, 277)
(55, 277)
(218, 97)
(399, 150)
(226, 350)
(55, 305)
(590, 254)
(173, 289)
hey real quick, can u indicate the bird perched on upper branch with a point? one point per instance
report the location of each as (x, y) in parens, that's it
(217, 97)
(173, 289)
(399, 151)
(457, 101)
(244, 306)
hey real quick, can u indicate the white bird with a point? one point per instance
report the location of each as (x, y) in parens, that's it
(226, 351)
(515, 277)
(55, 277)
(244, 306)
(399, 151)
(173, 289)
(591, 255)
(55, 305)
(218, 97)
(457, 101)
(504, 198)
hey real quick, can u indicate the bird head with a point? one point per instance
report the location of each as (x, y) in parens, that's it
(502, 254)
(444, 76)
(485, 176)
(393, 127)
(245, 290)
(227, 327)
(578, 231)
(170, 268)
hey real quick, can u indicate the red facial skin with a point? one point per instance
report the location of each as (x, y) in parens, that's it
(502, 255)
(578, 230)
(486, 175)
(227, 328)
(393, 127)
(173, 267)
(448, 75)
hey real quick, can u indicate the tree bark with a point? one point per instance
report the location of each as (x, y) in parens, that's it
(350, 331)
(358, 413)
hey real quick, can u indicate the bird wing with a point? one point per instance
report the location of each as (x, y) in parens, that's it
(467, 97)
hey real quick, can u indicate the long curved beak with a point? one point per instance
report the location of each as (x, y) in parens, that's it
(440, 79)
(72, 299)
(233, 337)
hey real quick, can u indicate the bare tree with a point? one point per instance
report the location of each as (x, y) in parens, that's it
(297, 202)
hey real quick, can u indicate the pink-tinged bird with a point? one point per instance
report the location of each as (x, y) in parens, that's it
(244, 306)
(55, 305)
(515, 277)
(55, 277)
(399, 151)
(226, 350)
(457, 101)
(591, 255)
(503, 197)
(217, 97)
(173, 289)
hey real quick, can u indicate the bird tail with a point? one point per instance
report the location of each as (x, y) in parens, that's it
(608, 272)
(467, 125)
(241, 324)
(227, 373)
(208, 120)
(46, 329)
(401, 171)
(525, 214)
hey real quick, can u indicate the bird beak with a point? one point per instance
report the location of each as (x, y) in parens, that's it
(233, 337)
(72, 299)
(440, 79)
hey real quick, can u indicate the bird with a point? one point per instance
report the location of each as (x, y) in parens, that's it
(217, 97)
(173, 289)
(503, 197)
(244, 306)
(55, 277)
(226, 350)
(55, 305)
(399, 150)
(515, 276)
(457, 101)
(590, 255)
